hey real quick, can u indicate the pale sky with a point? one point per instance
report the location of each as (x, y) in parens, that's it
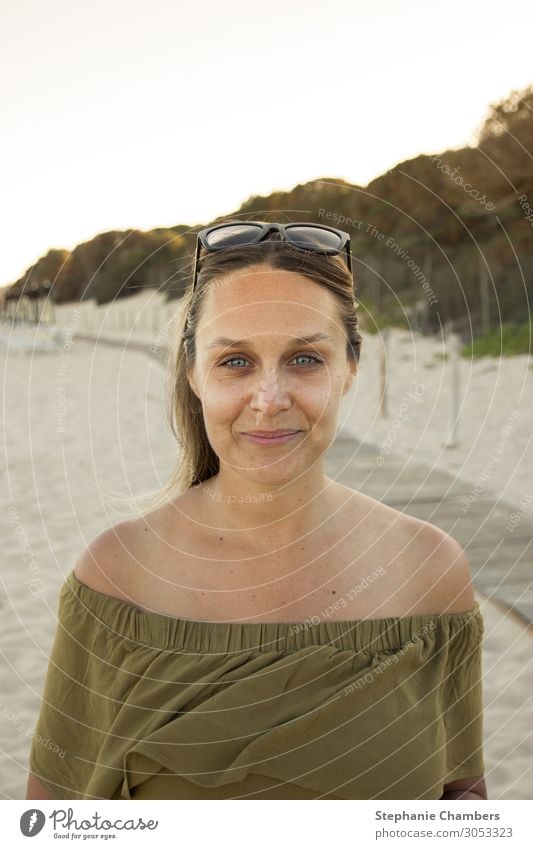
(149, 113)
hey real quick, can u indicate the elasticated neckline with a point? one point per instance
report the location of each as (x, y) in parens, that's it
(177, 633)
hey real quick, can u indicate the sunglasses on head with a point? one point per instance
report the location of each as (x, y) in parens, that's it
(308, 237)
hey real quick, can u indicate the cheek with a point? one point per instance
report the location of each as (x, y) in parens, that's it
(315, 400)
(222, 399)
(319, 396)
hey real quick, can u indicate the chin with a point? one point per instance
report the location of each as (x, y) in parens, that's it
(274, 474)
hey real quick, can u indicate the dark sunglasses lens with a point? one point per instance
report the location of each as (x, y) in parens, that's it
(233, 235)
(311, 238)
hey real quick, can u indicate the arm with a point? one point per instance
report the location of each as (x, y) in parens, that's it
(97, 567)
(35, 789)
(453, 591)
(466, 788)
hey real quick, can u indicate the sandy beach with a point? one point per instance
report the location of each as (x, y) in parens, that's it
(493, 441)
(85, 434)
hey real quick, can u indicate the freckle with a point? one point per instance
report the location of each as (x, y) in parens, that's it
(334, 592)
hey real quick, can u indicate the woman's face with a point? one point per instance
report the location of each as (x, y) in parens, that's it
(267, 379)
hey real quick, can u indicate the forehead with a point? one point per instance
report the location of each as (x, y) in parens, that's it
(263, 298)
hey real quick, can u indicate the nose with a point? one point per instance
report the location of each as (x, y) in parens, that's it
(270, 397)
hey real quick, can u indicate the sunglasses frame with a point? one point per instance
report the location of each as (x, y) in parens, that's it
(266, 228)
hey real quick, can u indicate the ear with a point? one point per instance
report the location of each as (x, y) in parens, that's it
(192, 382)
(352, 371)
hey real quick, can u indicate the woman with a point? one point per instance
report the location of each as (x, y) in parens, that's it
(263, 631)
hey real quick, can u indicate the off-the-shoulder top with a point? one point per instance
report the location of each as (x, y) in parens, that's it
(145, 705)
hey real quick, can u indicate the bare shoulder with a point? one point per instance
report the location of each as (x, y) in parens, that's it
(431, 571)
(443, 576)
(110, 562)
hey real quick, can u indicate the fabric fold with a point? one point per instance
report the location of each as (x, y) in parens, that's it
(386, 708)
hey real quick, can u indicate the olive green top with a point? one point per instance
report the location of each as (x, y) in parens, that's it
(143, 705)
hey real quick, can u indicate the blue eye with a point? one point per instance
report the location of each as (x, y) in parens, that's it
(231, 360)
(309, 357)
(316, 361)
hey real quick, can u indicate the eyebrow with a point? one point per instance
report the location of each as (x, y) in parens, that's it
(226, 342)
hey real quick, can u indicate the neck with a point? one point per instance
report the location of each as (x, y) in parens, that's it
(281, 509)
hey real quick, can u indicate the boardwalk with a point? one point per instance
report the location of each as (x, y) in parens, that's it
(500, 555)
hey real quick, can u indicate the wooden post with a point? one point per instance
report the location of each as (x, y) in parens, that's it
(455, 400)
(428, 273)
(383, 373)
(484, 295)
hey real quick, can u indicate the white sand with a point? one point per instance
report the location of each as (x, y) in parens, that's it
(61, 489)
(493, 447)
(65, 486)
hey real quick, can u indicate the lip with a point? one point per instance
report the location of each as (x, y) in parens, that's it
(270, 437)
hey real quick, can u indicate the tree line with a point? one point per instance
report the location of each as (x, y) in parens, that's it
(438, 238)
